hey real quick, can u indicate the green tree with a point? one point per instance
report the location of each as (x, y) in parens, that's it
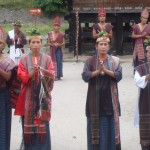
(52, 7)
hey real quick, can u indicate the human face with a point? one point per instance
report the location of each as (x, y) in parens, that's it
(17, 28)
(102, 18)
(102, 48)
(35, 45)
(56, 28)
(144, 19)
(1, 46)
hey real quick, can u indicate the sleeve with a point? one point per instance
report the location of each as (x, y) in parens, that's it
(86, 75)
(22, 73)
(23, 39)
(9, 41)
(50, 72)
(118, 73)
(140, 80)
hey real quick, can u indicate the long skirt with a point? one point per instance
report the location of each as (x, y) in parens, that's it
(35, 145)
(107, 133)
(5, 119)
(59, 63)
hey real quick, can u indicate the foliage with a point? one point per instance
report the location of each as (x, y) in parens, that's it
(147, 41)
(33, 31)
(52, 7)
(102, 33)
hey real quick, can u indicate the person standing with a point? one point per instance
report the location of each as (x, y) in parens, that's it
(102, 72)
(142, 116)
(140, 32)
(6, 66)
(102, 26)
(16, 40)
(36, 72)
(56, 41)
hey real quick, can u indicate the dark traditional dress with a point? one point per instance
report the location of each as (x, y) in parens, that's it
(56, 53)
(34, 103)
(139, 56)
(143, 104)
(5, 106)
(16, 45)
(102, 105)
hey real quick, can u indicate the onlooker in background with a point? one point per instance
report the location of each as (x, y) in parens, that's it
(56, 41)
(140, 32)
(16, 40)
(102, 25)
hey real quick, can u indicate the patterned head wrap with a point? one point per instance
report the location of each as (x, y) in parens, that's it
(103, 39)
(56, 21)
(102, 11)
(145, 13)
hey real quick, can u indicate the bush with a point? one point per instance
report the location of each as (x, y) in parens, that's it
(52, 7)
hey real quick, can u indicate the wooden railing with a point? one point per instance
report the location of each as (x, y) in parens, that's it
(111, 3)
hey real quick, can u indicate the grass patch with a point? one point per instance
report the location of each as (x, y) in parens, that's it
(43, 28)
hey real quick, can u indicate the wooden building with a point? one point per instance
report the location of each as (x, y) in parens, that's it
(122, 14)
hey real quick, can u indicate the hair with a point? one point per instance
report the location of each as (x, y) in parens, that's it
(30, 41)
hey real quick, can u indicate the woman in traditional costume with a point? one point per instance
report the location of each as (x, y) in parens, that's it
(102, 26)
(140, 32)
(6, 65)
(56, 41)
(36, 72)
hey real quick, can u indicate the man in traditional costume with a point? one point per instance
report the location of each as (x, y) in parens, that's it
(16, 40)
(6, 66)
(140, 32)
(36, 72)
(102, 25)
(56, 41)
(102, 72)
(142, 116)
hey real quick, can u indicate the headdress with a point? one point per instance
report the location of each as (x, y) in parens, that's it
(34, 33)
(2, 36)
(103, 37)
(17, 23)
(56, 21)
(102, 11)
(145, 12)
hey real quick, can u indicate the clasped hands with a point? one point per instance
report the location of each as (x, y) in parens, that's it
(102, 68)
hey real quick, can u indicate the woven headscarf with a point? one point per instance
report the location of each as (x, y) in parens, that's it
(56, 21)
(145, 12)
(102, 11)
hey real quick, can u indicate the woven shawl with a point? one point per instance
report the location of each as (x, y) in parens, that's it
(144, 107)
(94, 108)
(37, 104)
